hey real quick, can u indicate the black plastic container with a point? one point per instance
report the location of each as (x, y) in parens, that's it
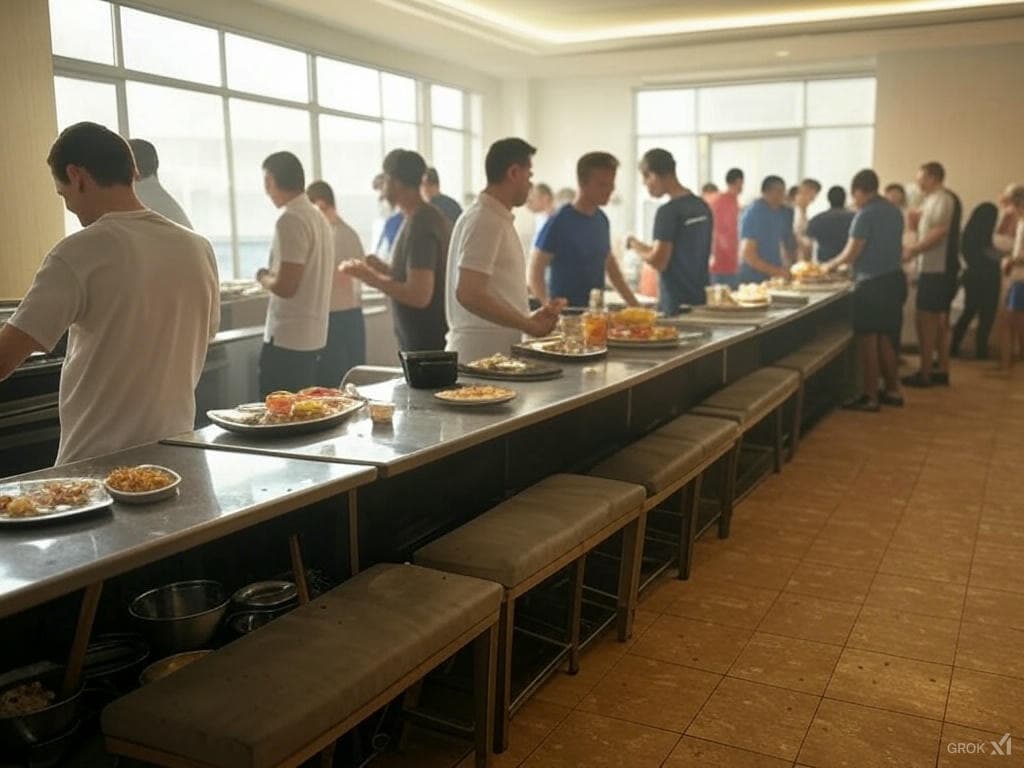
(430, 369)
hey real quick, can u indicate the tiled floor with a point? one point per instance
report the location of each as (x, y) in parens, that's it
(868, 612)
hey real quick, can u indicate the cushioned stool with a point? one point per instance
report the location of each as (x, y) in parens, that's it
(676, 456)
(530, 537)
(753, 398)
(289, 690)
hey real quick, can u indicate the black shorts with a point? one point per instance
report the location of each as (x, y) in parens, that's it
(935, 292)
(878, 305)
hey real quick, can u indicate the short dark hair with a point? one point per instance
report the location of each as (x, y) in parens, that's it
(286, 170)
(866, 181)
(320, 190)
(593, 161)
(503, 154)
(543, 189)
(431, 178)
(709, 187)
(770, 182)
(104, 154)
(658, 161)
(896, 187)
(733, 175)
(812, 183)
(935, 170)
(405, 166)
(146, 159)
(791, 192)
(836, 196)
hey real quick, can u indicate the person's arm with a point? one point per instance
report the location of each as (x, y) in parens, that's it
(473, 292)
(285, 282)
(539, 262)
(657, 254)
(750, 255)
(616, 278)
(934, 235)
(294, 244)
(15, 347)
(415, 291)
(852, 251)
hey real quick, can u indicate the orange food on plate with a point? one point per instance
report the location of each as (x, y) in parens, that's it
(138, 479)
(279, 403)
(318, 392)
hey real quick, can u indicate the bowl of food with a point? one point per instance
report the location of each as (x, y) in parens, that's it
(381, 413)
(430, 369)
(31, 710)
(143, 484)
(168, 666)
(182, 616)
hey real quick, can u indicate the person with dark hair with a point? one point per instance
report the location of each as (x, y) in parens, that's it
(981, 280)
(806, 193)
(708, 191)
(299, 280)
(829, 230)
(148, 187)
(683, 230)
(487, 302)
(937, 254)
(415, 280)
(541, 203)
(725, 208)
(346, 327)
(767, 244)
(576, 242)
(896, 194)
(430, 189)
(137, 294)
(874, 250)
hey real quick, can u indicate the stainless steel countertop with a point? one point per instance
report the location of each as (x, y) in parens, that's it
(220, 493)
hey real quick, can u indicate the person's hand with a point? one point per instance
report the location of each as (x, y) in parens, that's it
(359, 270)
(377, 264)
(630, 242)
(541, 322)
(261, 273)
(913, 219)
(1007, 266)
(908, 253)
(785, 273)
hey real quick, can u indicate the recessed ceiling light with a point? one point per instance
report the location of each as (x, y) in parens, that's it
(782, 54)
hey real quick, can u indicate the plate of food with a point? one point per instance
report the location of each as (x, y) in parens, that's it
(31, 501)
(142, 484)
(473, 394)
(288, 413)
(646, 337)
(557, 348)
(505, 367)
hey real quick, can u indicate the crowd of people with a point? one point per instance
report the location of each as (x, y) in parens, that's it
(138, 290)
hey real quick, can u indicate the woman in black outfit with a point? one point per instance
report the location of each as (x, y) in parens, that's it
(981, 280)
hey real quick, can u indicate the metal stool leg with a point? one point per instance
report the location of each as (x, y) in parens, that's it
(485, 666)
(576, 614)
(503, 685)
(689, 502)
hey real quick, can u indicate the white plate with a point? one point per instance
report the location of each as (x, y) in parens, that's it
(98, 499)
(537, 347)
(510, 395)
(222, 418)
(147, 497)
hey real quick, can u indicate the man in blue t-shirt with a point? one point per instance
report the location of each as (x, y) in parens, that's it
(683, 229)
(830, 229)
(765, 229)
(575, 243)
(875, 250)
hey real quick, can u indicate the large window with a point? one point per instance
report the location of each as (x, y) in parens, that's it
(217, 112)
(823, 129)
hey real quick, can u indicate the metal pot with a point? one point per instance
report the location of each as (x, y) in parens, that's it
(266, 595)
(249, 621)
(161, 669)
(44, 724)
(182, 616)
(116, 657)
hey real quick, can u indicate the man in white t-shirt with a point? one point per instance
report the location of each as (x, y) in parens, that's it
(487, 306)
(299, 280)
(137, 294)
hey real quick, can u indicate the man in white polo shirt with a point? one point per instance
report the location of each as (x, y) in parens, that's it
(138, 295)
(299, 280)
(487, 304)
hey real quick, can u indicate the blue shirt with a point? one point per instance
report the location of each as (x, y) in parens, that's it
(686, 222)
(448, 206)
(769, 228)
(579, 246)
(391, 227)
(880, 225)
(831, 230)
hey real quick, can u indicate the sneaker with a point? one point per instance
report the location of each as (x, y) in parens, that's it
(917, 380)
(862, 403)
(887, 399)
(941, 378)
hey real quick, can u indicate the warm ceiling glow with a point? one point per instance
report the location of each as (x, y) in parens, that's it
(468, 8)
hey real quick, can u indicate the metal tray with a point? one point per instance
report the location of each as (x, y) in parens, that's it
(534, 372)
(536, 347)
(282, 430)
(100, 499)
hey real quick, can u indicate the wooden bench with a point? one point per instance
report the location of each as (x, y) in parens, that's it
(289, 690)
(532, 536)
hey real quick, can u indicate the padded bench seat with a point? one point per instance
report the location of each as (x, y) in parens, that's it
(287, 691)
(751, 398)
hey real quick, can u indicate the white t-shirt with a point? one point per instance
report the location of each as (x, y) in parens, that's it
(141, 298)
(346, 290)
(936, 211)
(302, 236)
(485, 240)
(153, 195)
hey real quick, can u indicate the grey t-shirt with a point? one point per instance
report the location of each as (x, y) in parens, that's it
(422, 244)
(880, 225)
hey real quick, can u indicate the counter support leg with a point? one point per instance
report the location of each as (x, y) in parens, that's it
(353, 532)
(76, 657)
(298, 568)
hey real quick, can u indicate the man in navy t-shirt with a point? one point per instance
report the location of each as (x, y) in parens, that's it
(683, 229)
(767, 227)
(830, 230)
(575, 242)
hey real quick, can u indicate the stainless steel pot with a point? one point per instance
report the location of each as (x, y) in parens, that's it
(44, 724)
(182, 616)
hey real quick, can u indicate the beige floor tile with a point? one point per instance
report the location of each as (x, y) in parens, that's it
(661, 593)
(910, 635)
(890, 682)
(799, 665)
(969, 748)
(953, 567)
(830, 582)
(846, 554)
(931, 598)
(1001, 533)
(698, 644)
(756, 536)
(851, 736)
(698, 753)
(756, 717)
(990, 606)
(998, 568)
(530, 726)
(651, 692)
(728, 603)
(984, 701)
(584, 739)
(810, 618)
(425, 748)
(567, 690)
(763, 570)
(995, 649)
